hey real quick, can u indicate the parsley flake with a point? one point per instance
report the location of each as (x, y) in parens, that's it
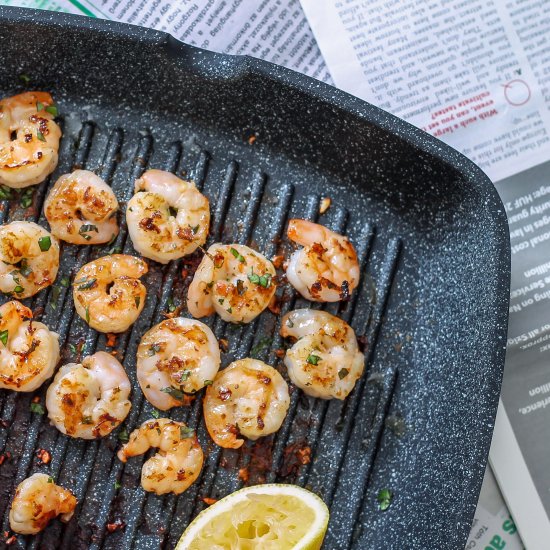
(39, 106)
(342, 373)
(40, 135)
(50, 479)
(87, 285)
(123, 435)
(137, 301)
(208, 382)
(384, 498)
(186, 432)
(24, 78)
(87, 228)
(37, 408)
(44, 243)
(88, 314)
(56, 291)
(313, 359)
(154, 349)
(87, 420)
(171, 305)
(65, 281)
(237, 255)
(155, 413)
(118, 485)
(52, 109)
(4, 337)
(174, 392)
(19, 289)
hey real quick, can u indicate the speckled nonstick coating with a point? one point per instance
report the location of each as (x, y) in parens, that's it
(429, 228)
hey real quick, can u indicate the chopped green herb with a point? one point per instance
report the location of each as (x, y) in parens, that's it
(123, 435)
(87, 314)
(24, 78)
(26, 197)
(253, 278)
(155, 413)
(56, 291)
(65, 281)
(237, 255)
(313, 359)
(50, 479)
(52, 109)
(44, 243)
(118, 485)
(186, 432)
(155, 348)
(25, 269)
(114, 250)
(86, 228)
(221, 301)
(289, 323)
(265, 280)
(37, 408)
(172, 211)
(174, 392)
(39, 106)
(170, 304)
(229, 310)
(87, 285)
(4, 337)
(112, 241)
(5, 193)
(19, 289)
(342, 373)
(72, 349)
(184, 376)
(40, 135)
(87, 420)
(262, 345)
(195, 229)
(384, 497)
(137, 300)
(208, 382)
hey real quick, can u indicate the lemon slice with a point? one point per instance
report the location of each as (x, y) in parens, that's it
(263, 517)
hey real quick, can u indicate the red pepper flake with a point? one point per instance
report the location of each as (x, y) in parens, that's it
(224, 394)
(11, 540)
(111, 340)
(278, 261)
(115, 526)
(251, 139)
(244, 475)
(280, 353)
(209, 501)
(294, 456)
(44, 456)
(4, 456)
(36, 399)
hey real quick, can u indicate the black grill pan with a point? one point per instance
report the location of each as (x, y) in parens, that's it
(266, 144)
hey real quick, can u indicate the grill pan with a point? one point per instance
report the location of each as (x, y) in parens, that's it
(266, 144)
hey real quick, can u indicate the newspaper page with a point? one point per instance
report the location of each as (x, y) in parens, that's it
(274, 30)
(476, 74)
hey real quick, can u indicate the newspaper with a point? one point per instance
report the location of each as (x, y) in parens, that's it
(476, 74)
(453, 68)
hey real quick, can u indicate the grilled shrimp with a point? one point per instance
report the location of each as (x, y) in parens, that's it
(326, 269)
(168, 218)
(29, 351)
(248, 398)
(29, 259)
(234, 281)
(29, 139)
(325, 361)
(178, 461)
(176, 356)
(108, 294)
(38, 500)
(89, 400)
(81, 209)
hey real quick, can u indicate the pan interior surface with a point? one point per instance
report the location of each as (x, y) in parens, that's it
(266, 145)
